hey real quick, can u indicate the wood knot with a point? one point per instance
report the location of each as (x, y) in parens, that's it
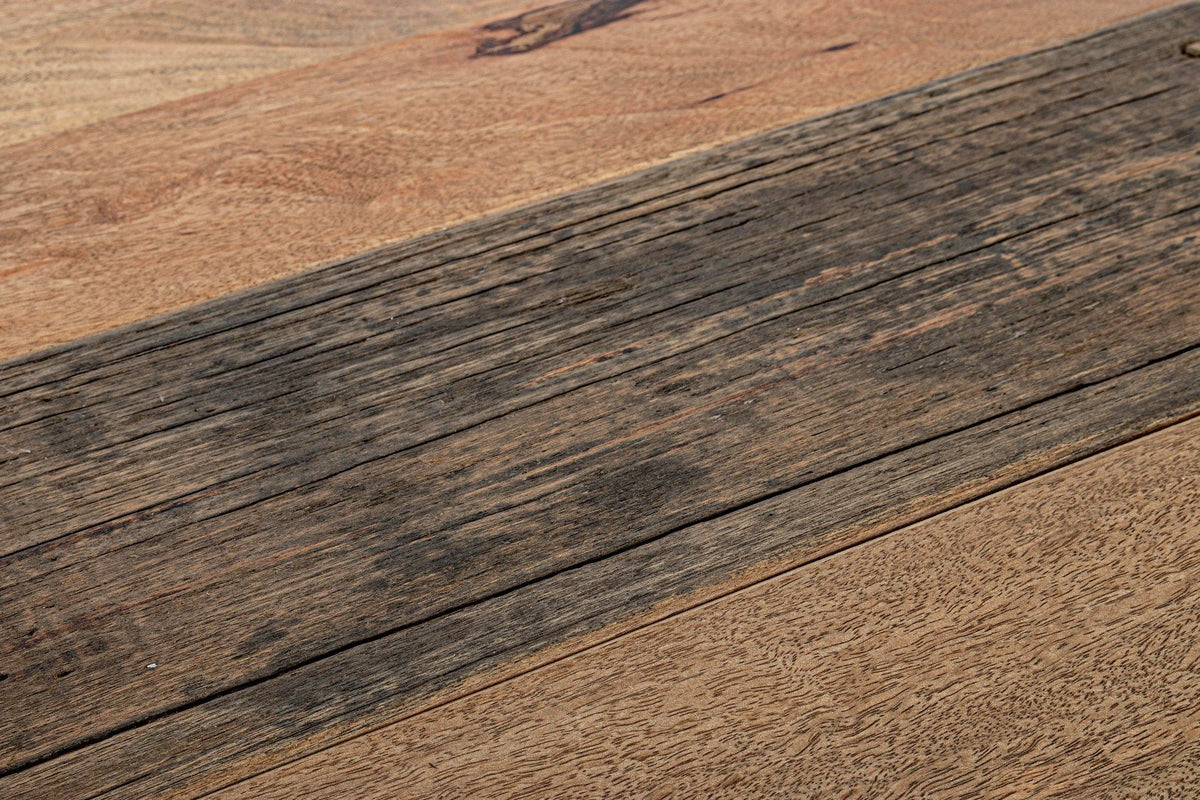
(540, 27)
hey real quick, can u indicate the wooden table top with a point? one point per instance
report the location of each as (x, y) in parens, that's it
(659, 398)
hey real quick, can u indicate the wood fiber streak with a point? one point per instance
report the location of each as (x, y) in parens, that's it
(68, 64)
(1041, 642)
(153, 211)
(334, 500)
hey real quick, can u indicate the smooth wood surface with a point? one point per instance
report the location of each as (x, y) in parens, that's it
(1041, 642)
(152, 211)
(69, 63)
(337, 499)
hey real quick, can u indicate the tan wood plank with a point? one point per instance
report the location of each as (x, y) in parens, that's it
(149, 212)
(1040, 642)
(66, 64)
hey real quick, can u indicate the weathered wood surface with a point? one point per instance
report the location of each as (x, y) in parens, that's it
(341, 498)
(73, 62)
(1041, 642)
(153, 211)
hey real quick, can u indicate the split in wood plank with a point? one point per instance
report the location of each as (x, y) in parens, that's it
(153, 211)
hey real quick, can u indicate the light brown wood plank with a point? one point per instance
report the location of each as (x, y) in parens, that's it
(66, 64)
(152, 211)
(1041, 642)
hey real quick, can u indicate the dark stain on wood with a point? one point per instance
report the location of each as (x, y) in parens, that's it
(722, 95)
(430, 467)
(540, 27)
(631, 492)
(265, 635)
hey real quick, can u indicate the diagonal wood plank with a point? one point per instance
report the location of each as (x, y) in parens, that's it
(1041, 640)
(75, 62)
(163, 208)
(338, 498)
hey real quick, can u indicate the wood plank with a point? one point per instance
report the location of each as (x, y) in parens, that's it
(160, 209)
(1040, 641)
(490, 442)
(75, 62)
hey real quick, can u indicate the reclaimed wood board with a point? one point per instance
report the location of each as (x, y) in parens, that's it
(191, 200)
(1040, 642)
(240, 532)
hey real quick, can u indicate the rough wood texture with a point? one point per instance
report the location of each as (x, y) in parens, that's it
(67, 64)
(1039, 642)
(337, 498)
(153, 211)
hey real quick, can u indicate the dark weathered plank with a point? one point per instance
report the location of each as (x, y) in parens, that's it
(361, 687)
(317, 505)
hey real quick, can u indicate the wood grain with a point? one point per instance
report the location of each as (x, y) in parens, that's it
(67, 64)
(339, 498)
(1040, 642)
(153, 211)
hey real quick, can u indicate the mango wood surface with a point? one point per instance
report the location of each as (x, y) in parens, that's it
(1040, 642)
(150, 212)
(347, 496)
(68, 63)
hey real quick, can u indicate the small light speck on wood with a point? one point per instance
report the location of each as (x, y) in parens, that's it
(1192, 49)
